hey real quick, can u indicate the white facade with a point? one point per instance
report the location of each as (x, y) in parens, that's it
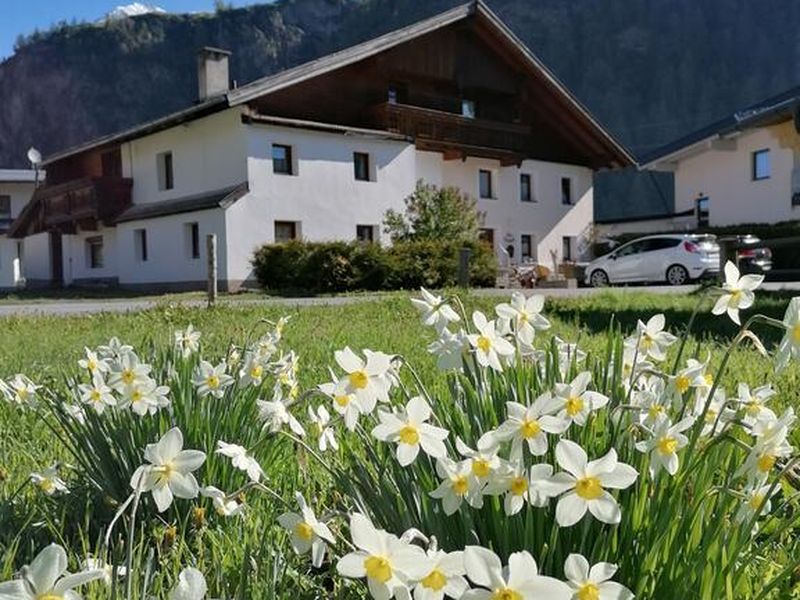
(16, 188)
(321, 197)
(723, 172)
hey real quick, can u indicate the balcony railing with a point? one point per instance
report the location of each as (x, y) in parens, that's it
(449, 128)
(81, 201)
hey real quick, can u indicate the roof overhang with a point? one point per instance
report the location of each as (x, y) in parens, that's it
(17, 176)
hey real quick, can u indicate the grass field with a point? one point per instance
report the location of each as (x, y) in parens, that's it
(46, 348)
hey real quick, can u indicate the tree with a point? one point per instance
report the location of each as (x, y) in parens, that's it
(434, 213)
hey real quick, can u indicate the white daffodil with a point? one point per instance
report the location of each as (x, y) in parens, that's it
(568, 354)
(91, 563)
(388, 563)
(789, 347)
(529, 425)
(369, 380)
(266, 347)
(633, 363)
(128, 370)
(241, 459)
(445, 578)
(187, 342)
(737, 292)
(345, 404)
(459, 483)
(484, 461)
(525, 315)
(307, 533)
(450, 350)
(114, 350)
(49, 482)
(717, 414)
(19, 390)
(574, 402)
(583, 484)
(651, 403)
(666, 439)
(489, 345)
(93, 363)
(76, 412)
(593, 583)
(410, 431)
(170, 470)
(97, 394)
(651, 340)
(520, 485)
(693, 375)
(435, 311)
(224, 505)
(253, 370)
(144, 397)
(752, 403)
(756, 500)
(321, 421)
(191, 586)
(771, 444)
(275, 416)
(42, 579)
(212, 380)
(520, 580)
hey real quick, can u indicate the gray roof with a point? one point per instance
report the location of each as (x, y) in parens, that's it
(217, 199)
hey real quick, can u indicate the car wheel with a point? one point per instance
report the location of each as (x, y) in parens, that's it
(677, 275)
(599, 279)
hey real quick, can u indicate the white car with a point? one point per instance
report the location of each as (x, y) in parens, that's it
(675, 258)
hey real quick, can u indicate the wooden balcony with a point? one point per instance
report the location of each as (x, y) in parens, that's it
(450, 132)
(84, 202)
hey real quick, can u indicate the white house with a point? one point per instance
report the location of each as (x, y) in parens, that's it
(321, 151)
(743, 169)
(16, 189)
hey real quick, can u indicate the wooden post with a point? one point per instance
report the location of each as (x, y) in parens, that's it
(211, 250)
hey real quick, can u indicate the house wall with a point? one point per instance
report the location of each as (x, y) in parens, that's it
(208, 154)
(11, 264)
(725, 176)
(36, 260)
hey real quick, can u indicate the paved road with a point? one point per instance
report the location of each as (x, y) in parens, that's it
(81, 307)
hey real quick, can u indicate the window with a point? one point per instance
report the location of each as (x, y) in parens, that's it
(525, 194)
(192, 234)
(361, 166)
(761, 165)
(140, 244)
(566, 249)
(468, 109)
(166, 180)
(5, 211)
(661, 244)
(94, 252)
(526, 249)
(630, 249)
(485, 188)
(282, 159)
(702, 211)
(285, 231)
(566, 190)
(796, 199)
(365, 233)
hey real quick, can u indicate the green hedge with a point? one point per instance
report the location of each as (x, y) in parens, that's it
(347, 266)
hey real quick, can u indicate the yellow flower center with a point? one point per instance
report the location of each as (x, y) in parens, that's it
(736, 295)
(682, 383)
(409, 435)
(304, 531)
(164, 473)
(435, 580)
(519, 485)
(50, 596)
(91, 364)
(796, 333)
(22, 393)
(342, 400)
(460, 485)
(212, 381)
(711, 415)
(709, 378)
(574, 405)
(480, 467)
(530, 428)
(484, 344)
(136, 396)
(359, 379)
(127, 376)
(256, 372)
(589, 488)
(754, 408)
(47, 485)
(506, 594)
(588, 591)
(766, 462)
(647, 341)
(378, 568)
(655, 410)
(667, 445)
(757, 501)
(95, 395)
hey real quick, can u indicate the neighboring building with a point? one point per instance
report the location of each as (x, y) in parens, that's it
(16, 189)
(321, 151)
(742, 169)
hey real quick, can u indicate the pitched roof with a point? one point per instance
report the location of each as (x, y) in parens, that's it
(217, 199)
(772, 110)
(342, 58)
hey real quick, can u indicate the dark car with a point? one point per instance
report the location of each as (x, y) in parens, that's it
(752, 255)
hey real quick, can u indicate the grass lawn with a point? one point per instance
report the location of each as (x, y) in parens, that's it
(46, 348)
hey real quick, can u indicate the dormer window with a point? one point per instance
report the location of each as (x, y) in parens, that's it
(468, 109)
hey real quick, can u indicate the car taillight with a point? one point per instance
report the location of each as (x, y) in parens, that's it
(747, 253)
(691, 247)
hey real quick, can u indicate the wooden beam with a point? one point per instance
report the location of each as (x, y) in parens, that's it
(454, 154)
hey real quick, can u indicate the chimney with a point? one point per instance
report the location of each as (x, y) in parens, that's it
(213, 78)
